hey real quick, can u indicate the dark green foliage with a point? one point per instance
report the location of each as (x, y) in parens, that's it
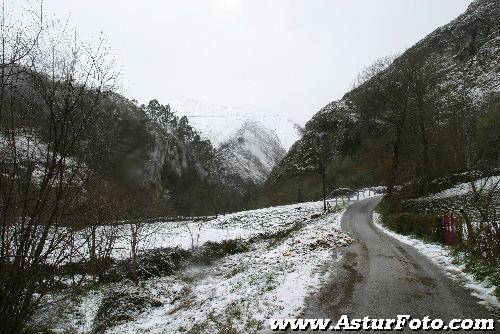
(156, 262)
(479, 268)
(122, 303)
(211, 251)
(428, 227)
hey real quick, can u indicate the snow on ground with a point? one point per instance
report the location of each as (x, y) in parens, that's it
(487, 183)
(244, 224)
(239, 292)
(442, 257)
(244, 290)
(186, 234)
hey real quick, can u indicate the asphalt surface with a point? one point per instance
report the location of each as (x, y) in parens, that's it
(381, 277)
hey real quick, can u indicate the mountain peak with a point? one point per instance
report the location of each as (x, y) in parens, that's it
(220, 123)
(252, 152)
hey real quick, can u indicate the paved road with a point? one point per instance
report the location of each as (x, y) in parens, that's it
(381, 277)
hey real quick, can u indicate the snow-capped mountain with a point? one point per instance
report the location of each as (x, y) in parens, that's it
(251, 153)
(219, 124)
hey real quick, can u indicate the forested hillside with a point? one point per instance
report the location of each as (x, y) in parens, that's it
(431, 112)
(141, 155)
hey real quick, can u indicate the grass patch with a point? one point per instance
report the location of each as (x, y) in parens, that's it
(279, 235)
(122, 303)
(480, 269)
(211, 251)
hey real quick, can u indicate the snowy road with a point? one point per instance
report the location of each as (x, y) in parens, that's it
(381, 277)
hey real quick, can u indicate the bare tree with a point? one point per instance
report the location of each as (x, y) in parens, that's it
(370, 71)
(194, 230)
(139, 208)
(477, 141)
(388, 97)
(101, 210)
(482, 226)
(398, 100)
(50, 92)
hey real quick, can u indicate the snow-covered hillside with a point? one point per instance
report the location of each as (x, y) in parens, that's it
(460, 63)
(220, 123)
(288, 246)
(483, 184)
(252, 152)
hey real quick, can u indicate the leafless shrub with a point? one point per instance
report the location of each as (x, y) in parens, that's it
(51, 87)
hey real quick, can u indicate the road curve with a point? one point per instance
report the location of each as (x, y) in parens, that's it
(381, 277)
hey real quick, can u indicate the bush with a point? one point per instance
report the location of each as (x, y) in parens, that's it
(424, 226)
(156, 262)
(482, 270)
(88, 267)
(281, 233)
(211, 251)
(152, 263)
(122, 303)
(162, 262)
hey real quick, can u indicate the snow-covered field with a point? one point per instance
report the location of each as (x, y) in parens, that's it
(187, 234)
(237, 293)
(245, 224)
(442, 257)
(244, 290)
(484, 184)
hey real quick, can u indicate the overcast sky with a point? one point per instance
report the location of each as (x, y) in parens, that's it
(268, 56)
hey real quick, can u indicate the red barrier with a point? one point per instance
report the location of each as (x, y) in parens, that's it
(450, 228)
